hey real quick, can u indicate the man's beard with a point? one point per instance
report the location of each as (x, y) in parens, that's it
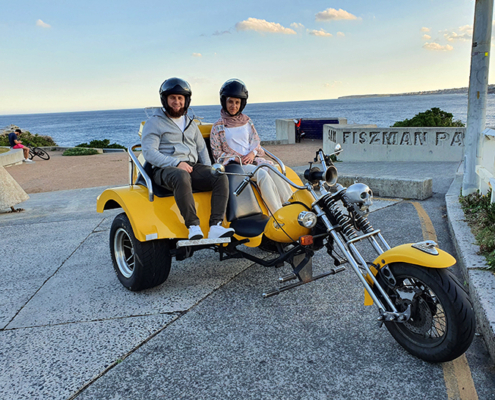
(176, 114)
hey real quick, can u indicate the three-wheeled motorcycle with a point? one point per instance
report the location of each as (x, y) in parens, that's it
(419, 300)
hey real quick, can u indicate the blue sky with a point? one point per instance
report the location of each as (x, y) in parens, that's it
(95, 55)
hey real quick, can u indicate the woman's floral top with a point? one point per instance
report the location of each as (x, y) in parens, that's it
(220, 147)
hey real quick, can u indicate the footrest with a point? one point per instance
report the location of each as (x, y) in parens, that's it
(202, 242)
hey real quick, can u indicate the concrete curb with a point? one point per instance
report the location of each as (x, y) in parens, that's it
(405, 188)
(481, 282)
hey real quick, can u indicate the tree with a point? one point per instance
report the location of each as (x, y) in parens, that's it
(433, 117)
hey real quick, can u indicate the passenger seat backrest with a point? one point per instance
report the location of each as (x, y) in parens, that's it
(246, 203)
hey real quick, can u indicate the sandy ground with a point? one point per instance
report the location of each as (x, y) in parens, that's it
(109, 169)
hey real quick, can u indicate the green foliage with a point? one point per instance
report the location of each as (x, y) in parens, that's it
(79, 152)
(28, 139)
(433, 117)
(480, 214)
(101, 144)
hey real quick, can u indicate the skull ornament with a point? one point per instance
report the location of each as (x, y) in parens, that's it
(359, 194)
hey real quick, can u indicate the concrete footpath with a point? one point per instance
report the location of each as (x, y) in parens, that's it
(68, 329)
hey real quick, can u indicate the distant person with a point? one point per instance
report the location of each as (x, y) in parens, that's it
(234, 135)
(299, 134)
(173, 144)
(15, 143)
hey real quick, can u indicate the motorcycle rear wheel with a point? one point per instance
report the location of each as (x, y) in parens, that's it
(138, 265)
(442, 323)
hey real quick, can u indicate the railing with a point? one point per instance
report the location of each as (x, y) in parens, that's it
(135, 162)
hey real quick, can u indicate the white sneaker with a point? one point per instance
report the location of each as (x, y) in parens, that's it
(195, 233)
(27, 160)
(218, 231)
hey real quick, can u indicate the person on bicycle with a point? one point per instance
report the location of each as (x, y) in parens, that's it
(173, 144)
(234, 139)
(15, 143)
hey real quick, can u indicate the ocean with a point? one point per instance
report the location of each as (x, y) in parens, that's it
(121, 126)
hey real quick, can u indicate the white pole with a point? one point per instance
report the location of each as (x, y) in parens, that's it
(478, 86)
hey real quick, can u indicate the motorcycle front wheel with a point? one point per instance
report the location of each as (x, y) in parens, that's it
(442, 323)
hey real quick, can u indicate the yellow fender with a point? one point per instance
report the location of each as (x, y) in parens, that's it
(405, 253)
(159, 219)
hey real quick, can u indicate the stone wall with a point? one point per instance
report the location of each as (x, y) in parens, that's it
(362, 143)
(11, 157)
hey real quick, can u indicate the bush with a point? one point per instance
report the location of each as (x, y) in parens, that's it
(28, 139)
(480, 215)
(433, 117)
(79, 152)
(101, 144)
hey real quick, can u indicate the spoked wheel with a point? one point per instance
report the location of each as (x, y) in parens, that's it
(138, 265)
(41, 153)
(442, 322)
(31, 154)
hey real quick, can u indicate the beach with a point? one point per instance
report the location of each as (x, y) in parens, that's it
(111, 169)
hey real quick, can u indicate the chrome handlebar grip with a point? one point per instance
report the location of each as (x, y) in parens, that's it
(241, 186)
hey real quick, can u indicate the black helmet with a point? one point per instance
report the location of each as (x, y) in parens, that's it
(175, 86)
(233, 88)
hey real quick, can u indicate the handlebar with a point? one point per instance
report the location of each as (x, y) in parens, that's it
(241, 186)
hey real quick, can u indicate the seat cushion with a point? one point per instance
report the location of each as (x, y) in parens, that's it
(251, 226)
(158, 191)
(246, 203)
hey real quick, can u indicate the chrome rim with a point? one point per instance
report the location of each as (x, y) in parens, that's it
(428, 322)
(124, 252)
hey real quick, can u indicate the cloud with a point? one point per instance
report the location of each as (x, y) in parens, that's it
(437, 47)
(332, 84)
(331, 14)
(42, 24)
(321, 32)
(426, 37)
(197, 55)
(465, 33)
(261, 25)
(297, 25)
(218, 33)
(341, 34)
(425, 29)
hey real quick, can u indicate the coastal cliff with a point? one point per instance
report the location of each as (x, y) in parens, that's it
(464, 90)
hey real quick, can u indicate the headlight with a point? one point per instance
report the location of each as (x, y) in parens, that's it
(307, 219)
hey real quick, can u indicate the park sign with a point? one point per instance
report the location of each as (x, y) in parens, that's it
(370, 143)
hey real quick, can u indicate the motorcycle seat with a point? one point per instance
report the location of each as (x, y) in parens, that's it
(251, 226)
(243, 211)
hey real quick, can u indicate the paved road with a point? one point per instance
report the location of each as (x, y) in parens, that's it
(69, 329)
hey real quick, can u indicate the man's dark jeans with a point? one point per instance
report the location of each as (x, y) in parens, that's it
(182, 184)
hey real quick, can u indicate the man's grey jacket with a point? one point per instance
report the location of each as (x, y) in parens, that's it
(165, 145)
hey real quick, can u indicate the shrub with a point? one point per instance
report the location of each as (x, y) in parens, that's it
(480, 215)
(101, 144)
(28, 139)
(79, 152)
(433, 117)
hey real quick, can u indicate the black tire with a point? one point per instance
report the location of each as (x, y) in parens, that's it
(442, 323)
(138, 265)
(31, 154)
(41, 153)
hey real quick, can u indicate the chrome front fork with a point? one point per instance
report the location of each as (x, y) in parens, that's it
(351, 253)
